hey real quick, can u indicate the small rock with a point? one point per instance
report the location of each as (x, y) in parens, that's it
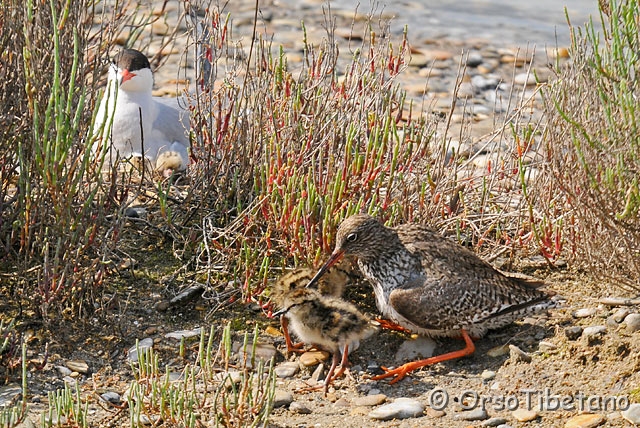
(474, 59)
(342, 402)
(263, 351)
(573, 333)
(594, 332)
(632, 414)
(478, 414)
(620, 315)
(135, 212)
(545, 346)
(64, 371)
(70, 381)
(633, 322)
(230, 378)
(584, 421)
(524, 415)
(282, 398)
(111, 397)
(77, 366)
(619, 301)
(524, 79)
(494, 422)
(585, 312)
(179, 334)
(313, 358)
(402, 408)
(143, 345)
(272, 331)
(433, 413)
(487, 375)
(9, 394)
(504, 426)
(370, 400)
(518, 355)
(498, 351)
(317, 373)
(287, 369)
(297, 407)
(415, 349)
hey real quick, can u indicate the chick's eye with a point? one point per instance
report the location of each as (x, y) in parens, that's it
(352, 237)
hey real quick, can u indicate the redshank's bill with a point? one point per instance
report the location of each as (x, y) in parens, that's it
(327, 322)
(431, 285)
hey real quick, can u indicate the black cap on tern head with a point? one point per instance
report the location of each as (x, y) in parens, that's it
(131, 59)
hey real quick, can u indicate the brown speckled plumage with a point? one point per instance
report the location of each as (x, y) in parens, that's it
(321, 318)
(431, 285)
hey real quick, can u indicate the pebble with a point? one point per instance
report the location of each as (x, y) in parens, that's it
(419, 348)
(518, 355)
(585, 312)
(317, 373)
(498, 351)
(297, 407)
(573, 333)
(402, 408)
(179, 334)
(633, 322)
(263, 351)
(474, 59)
(370, 400)
(64, 371)
(524, 79)
(143, 345)
(111, 397)
(632, 414)
(287, 369)
(619, 301)
(545, 346)
(524, 415)
(433, 413)
(77, 366)
(594, 332)
(620, 315)
(487, 375)
(478, 414)
(9, 394)
(282, 398)
(494, 422)
(313, 358)
(584, 421)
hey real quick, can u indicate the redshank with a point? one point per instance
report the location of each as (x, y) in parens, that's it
(332, 284)
(432, 286)
(327, 322)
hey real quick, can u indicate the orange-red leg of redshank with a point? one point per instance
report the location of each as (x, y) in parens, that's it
(401, 372)
(343, 366)
(291, 347)
(390, 325)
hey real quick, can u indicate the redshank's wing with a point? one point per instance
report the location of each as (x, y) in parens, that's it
(456, 288)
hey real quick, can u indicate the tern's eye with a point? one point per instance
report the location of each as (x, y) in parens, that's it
(352, 237)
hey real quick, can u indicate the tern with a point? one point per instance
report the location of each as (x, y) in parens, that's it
(131, 122)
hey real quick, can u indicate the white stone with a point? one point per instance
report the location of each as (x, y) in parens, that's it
(402, 408)
(419, 348)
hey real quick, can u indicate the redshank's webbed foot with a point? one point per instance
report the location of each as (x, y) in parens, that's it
(390, 325)
(295, 348)
(400, 372)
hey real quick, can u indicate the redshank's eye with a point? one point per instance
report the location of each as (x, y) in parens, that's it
(352, 237)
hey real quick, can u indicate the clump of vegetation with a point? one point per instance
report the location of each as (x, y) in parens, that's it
(206, 390)
(592, 144)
